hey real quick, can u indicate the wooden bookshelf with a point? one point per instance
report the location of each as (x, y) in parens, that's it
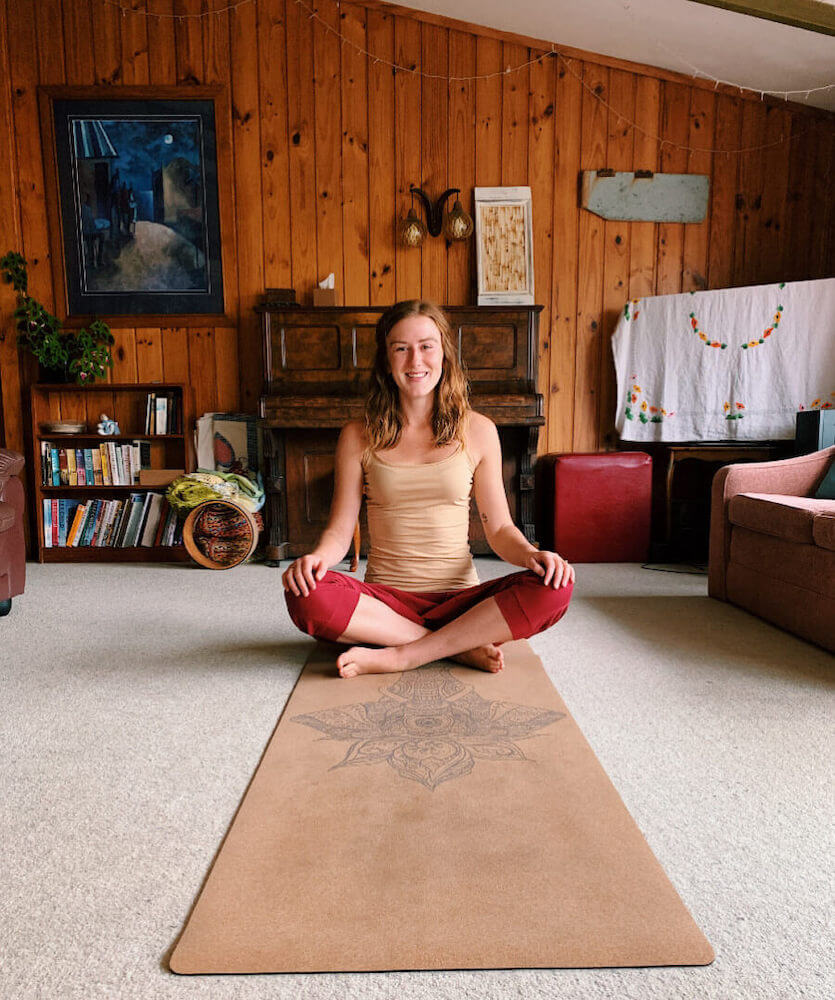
(126, 403)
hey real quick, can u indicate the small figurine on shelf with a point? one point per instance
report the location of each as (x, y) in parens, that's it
(107, 426)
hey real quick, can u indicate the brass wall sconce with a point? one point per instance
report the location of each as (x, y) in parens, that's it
(456, 225)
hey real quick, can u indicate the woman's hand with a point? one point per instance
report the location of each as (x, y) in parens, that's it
(553, 569)
(301, 576)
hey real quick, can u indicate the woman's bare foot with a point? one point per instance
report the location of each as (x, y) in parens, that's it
(372, 660)
(488, 657)
(368, 660)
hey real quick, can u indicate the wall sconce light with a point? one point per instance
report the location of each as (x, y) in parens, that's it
(456, 225)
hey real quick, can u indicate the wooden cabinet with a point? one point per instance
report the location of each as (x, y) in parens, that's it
(316, 368)
(127, 405)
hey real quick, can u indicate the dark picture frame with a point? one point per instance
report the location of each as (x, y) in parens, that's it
(137, 192)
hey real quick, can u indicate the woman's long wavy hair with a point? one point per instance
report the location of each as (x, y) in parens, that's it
(383, 418)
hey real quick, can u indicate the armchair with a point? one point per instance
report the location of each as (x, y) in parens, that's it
(12, 543)
(772, 544)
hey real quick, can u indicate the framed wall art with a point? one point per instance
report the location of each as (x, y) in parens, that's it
(504, 245)
(135, 181)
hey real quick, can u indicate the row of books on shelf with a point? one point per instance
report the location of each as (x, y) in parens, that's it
(111, 464)
(142, 519)
(163, 413)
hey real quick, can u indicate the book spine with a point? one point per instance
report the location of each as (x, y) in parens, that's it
(72, 471)
(92, 517)
(78, 517)
(96, 459)
(53, 517)
(62, 522)
(47, 524)
(56, 466)
(63, 468)
(105, 466)
(88, 467)
(80, 467)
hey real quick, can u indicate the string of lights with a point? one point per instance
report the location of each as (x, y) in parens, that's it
(552, 53)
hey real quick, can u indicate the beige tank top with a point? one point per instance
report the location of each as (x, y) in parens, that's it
(418, 522)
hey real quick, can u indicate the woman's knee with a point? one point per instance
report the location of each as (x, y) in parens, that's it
(313, 613)
(533, 606)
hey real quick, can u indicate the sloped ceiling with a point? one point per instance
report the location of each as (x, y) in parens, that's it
(673, 34)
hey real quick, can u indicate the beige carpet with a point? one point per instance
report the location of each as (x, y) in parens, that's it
(442, 818)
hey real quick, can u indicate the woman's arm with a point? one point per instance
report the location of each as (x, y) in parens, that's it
(502, 535)
(302, 574)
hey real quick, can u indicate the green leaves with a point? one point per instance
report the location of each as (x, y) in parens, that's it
(85, 354)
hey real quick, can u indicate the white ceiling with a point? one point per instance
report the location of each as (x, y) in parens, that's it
(672, 34)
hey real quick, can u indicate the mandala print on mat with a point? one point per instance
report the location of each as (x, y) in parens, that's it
(430, 727)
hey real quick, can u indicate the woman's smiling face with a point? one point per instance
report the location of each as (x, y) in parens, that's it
(415, 355)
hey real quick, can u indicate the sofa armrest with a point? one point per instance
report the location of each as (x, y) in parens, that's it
(796, 477)
(11, 464)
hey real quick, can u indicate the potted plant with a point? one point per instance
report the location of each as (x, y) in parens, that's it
(63, 355)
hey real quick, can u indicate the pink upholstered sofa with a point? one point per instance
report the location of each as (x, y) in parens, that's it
(772, 545)
(12, 544)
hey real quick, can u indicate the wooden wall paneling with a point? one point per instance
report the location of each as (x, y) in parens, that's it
(590, 265)
(107, 50)
(249, 238)
(78, 42)
(381, 166)
(216, 45)
(407, 146)
(203, 370)
(461, 160)
(515, 124)
(275, 158)
(51, 65)
(723, 195)
(301, 150)
(124, 355)
(355, 207)
(821, 264)
(149, 345)
(11, 418)
(188, 34)
(775, 192)
(175, 356)
(227, 366)
(675, 132)
(488, 129)
(328, 114)
(434, 173)
(644, 235)
(135, 64)
(749, 200)
(27, 153)
(559, 388)
(616, 242)
(541, 150)
(696, 234)
(162, 45)
(799, 208)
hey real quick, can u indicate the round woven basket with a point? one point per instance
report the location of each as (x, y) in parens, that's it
(219, 534)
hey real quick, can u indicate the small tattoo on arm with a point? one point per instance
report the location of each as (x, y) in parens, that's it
(484, 518)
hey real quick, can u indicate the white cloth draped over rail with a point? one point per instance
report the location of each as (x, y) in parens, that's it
(734, 364)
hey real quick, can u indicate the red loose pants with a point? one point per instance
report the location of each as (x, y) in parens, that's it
(527, 605)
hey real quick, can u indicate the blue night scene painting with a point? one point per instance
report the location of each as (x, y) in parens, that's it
(140, 197)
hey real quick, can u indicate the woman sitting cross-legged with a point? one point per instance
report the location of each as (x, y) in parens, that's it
(418, 456)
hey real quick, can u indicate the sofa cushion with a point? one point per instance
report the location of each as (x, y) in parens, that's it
(826, 490)
(786, 517)
(823, 530)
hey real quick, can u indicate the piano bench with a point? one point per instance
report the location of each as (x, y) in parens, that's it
(596, 507)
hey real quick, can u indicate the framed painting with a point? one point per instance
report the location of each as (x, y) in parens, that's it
(504, 246)
(135, 180)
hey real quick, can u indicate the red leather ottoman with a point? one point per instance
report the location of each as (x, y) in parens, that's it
(598, 505)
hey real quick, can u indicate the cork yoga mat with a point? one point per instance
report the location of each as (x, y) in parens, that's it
(442, 818)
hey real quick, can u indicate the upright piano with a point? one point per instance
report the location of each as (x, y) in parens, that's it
(316, 367)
